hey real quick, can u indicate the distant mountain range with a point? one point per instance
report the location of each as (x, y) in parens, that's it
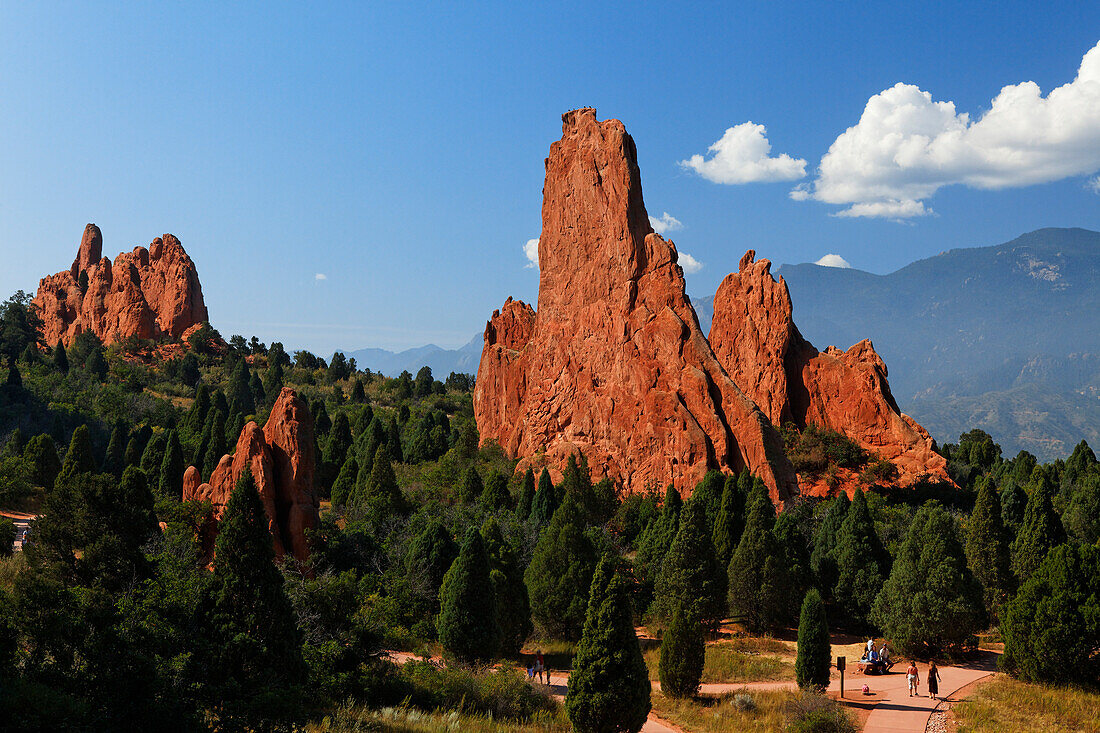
(1003, 338)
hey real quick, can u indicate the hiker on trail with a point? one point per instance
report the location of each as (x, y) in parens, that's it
(540, 668)
(933, 681)
(914, 678)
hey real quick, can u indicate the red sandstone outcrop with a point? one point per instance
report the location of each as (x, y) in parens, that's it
(282, 462)
(147, 293)
(755, 338)
(613, 364)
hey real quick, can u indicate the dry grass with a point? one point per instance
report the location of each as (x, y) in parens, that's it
(410, 720)
(9, 568)
(722, 714)
(1005, 705)
(725, 663)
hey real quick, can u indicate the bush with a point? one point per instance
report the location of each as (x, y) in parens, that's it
(502, 693)
(814, 450)
(810, 713)
(7, 537)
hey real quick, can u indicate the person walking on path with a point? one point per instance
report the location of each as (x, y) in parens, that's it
(914, 679)
(933, 681)
(540, 668)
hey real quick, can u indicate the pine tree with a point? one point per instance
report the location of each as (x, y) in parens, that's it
(1040, 530)
(689, 575)
(78, 458)
(729, 523)
(609, 689)
(791, 532)
(823, 557)
(358, 394)
(42, 461)
(545, 502)
(814, 659)
(216, 445)
(560, 574)
(60, 358)
(756, 573)
(1082, 516)
(468, 626)
(654, 544)
(343, 488)
(471, 487)
(987, 550)
(931, 601)
(861, 561)
(196, 414)
(1013, 505)
(14, 378)
(256, 387)
(254, 653)
(683, 652)
(513, 604)
(382, 489)
(337, 449)
(429, 557)
(96, 365)
(527, 495)
(171, 468)
(495, 494)
(114, 459)
(153, 455)
(393, 440)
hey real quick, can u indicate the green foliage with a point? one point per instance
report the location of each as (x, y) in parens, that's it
(254, 649)
(814, 659)
(495, 494)
(240, 392)
(1082, 516)
(468, 626)
(502, 694)
(609, 688)
(43, 465)
(683, 653)
(513, 604)
(7, 537)
(426, 562)
(20, 326)
(78, 458)
(792, 534)
(60, 358)
(814, 450)
(729, 522)
(861, 561)
(1040, 530)
(114, 460)
(690, 574)
(987, 550)
(823, 558)
(1013, 505)
(527, 495)
(931, 602)
(170, 481)
(546, 500)
(1052, 626)
(757, 576)
(471, 487)
(653, 546)
(560, 574)
(337, 449)
(343, 488)
(381, 489)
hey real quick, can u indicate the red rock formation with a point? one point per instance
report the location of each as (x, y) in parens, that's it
(755, 338)
(145, 293)
(282, 463)
(613, 364)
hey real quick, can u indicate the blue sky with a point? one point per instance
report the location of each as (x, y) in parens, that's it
(398, 148)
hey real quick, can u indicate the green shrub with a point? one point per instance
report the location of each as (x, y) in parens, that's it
(812, 713)
(501, 693)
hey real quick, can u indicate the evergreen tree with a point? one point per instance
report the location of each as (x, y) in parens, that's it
(189, 369)
(527, 495)
(513, 604)
(729, 523)
(683, 652)
(609, 689)
(1013, 505)
(545, 502)
(468, 626)
(256, 386)
(823, 558)
(15, 445)
(987, 549)
(791, 532)
(814, 659)
(322, 423)
(343, 488)
(1040, 530)
(689, 576)
(861, 561)
(653, 546)
(240, 393)
(273, 380)
(495, 494)
(708, 492)
(393, 441)
(195, 419)
(931, 601)
(78, 458)
(14, 378)
(114, 460)
(254, 653)
(422, 386)
(96, 365)
(43, 463)
(560, 574)
(153, 455)
(756, 572)
(60, 358)
(382, 489)
(216, 445)
(1052, 625)
(1082, 516)
(471, 487)
(171, 468)
(429, 557)
(358, 394)
(337, 449)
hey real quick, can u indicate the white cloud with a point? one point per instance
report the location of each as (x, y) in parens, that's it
(320, 276)
(907, 146)
(1094, 184)
(741, 156)
(531, 252)
(832, 260)
(667, 223)
(689, 264)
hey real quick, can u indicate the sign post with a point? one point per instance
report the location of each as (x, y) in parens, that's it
(840, 664)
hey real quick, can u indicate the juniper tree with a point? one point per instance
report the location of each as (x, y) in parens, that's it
(43, 463)
(757, 585)
(15, 445)
(393, 441)
(381, 489)
(654, 544)
(560, 573)
(527, 495)
(429, 557)
(1040, 530)
(683, 653)
(862, 562)
(513, 604)
(987, 551)
(545, 502)
(468, 626)
(358, 394)
(791, 532)
(170, 482)
(343, 488)
(931, 601)
(115, 458)
(609, 689)
(153, 455)
(814, 657)
(471, 487)
(689, 576)
(1082, 516)
(729, 523)
(216, 445)
(823, 557)
(60, 358)
(337, 448)
(495, 494)
(1013, 505)
(78, 458)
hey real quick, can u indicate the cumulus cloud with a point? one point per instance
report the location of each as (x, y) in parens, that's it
(689, 264)
(907, 146)
(832, 260)
(531, 252)
(741, 156)
(320, 276)
(1094, 184)
(667, 223)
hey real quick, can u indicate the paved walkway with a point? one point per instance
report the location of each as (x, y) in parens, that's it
(22, 520)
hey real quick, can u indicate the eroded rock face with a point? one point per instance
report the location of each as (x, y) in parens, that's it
(613, 364)
(282, 462)
(147, 293)
(755, 338)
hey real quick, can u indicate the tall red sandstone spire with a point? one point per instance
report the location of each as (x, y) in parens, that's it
(613, 365)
